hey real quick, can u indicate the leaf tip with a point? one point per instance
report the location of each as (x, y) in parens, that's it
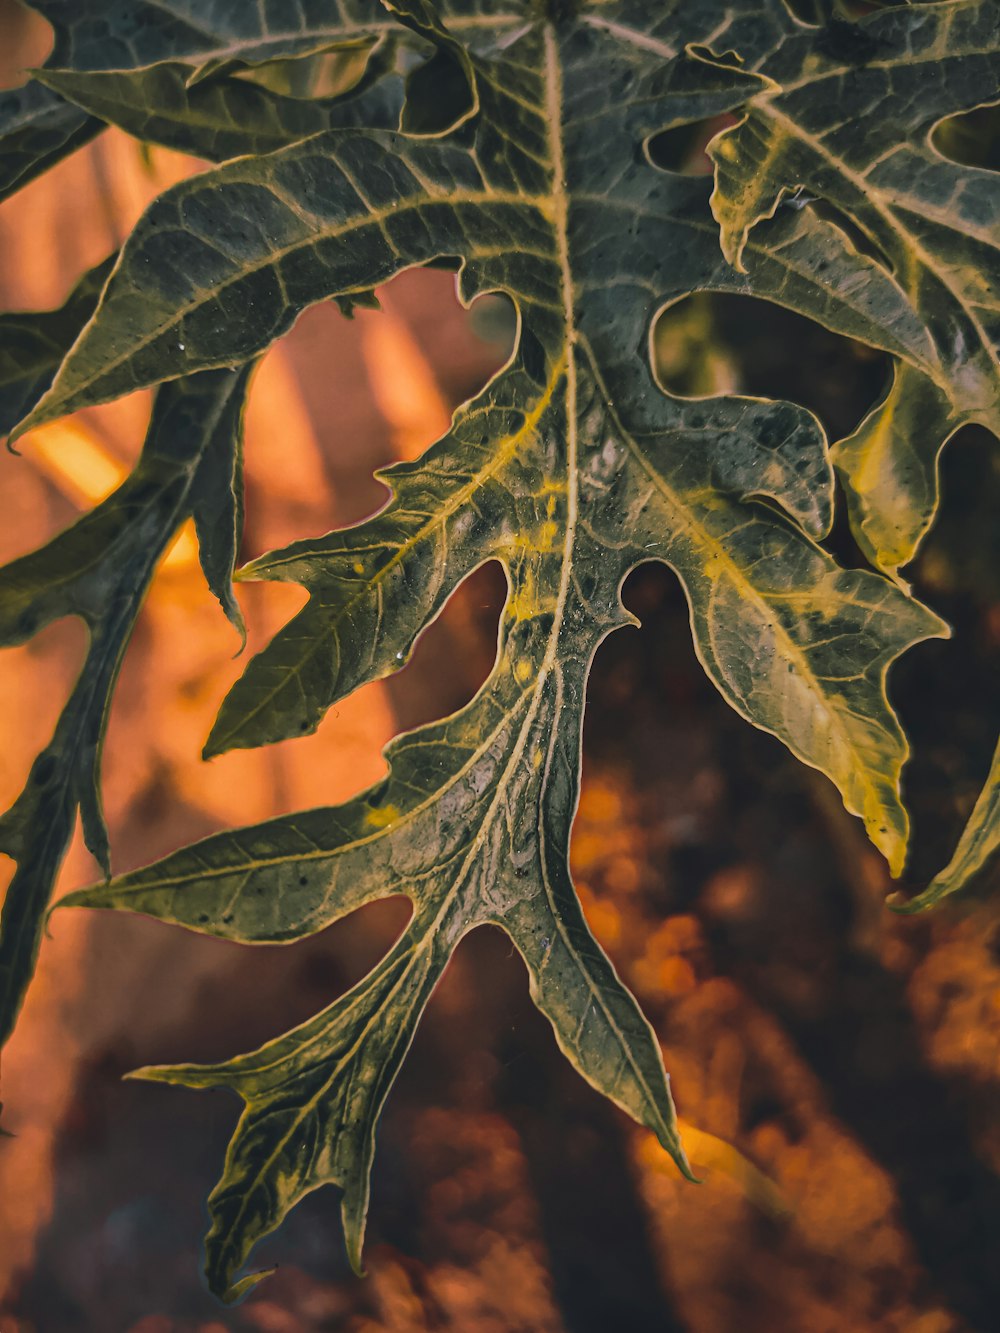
(151, 1074)
(354, 1258)
(235, 617)
(38, 416)
(237, 1291)
(214, 746)
(218, 740)
(13, 435)
(732, 240)
(683, 1163)
(144, 1074)
(888, 829)
(902, 906)
(88, 896)
(354, 1215)
(938, 889)
(669, 1137)
(943, 630)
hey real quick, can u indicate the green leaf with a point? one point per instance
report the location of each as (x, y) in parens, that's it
(191, 98)
(220, 118)
(976, 848)
(37, 129)
(99, 570)
(570, 468)
(144, 67)
(33, 345)
(92, 35)
(847, 115)
(446, 831)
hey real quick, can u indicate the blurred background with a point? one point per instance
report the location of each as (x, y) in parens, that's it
(850, 1058)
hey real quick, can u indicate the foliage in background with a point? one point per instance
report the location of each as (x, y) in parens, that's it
(515, 144)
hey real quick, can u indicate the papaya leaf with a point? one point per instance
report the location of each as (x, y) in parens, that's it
(570, 468)
(522, 156)
(33, 345)
(99, 570)
(190, 97)
(976, 848)
(106, 35)
(37, 129)
(848, 114)
(220, 117)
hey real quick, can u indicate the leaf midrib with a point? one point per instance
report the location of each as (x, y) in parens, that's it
(450, 899)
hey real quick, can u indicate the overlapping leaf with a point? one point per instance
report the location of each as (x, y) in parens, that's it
(848, 115)
(174, 73)
(570, 468)
(100, 570)
(935, 225)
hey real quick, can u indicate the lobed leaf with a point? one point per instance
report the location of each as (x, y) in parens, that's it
(533, 173)
(219, 117)
(848, 114)
(100, 569)
(175, 74)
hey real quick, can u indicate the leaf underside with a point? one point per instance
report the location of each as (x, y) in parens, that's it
(367, 139)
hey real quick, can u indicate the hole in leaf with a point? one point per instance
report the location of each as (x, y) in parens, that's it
(438, 95)
(339, 397)
(962, 551)
(712, 343)
(455, 654)
(691, 359)
(444, 263)
(645, 845)
(971, 139)
(493, 318)
(957, 571)
(253, 994)
(681, 148)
